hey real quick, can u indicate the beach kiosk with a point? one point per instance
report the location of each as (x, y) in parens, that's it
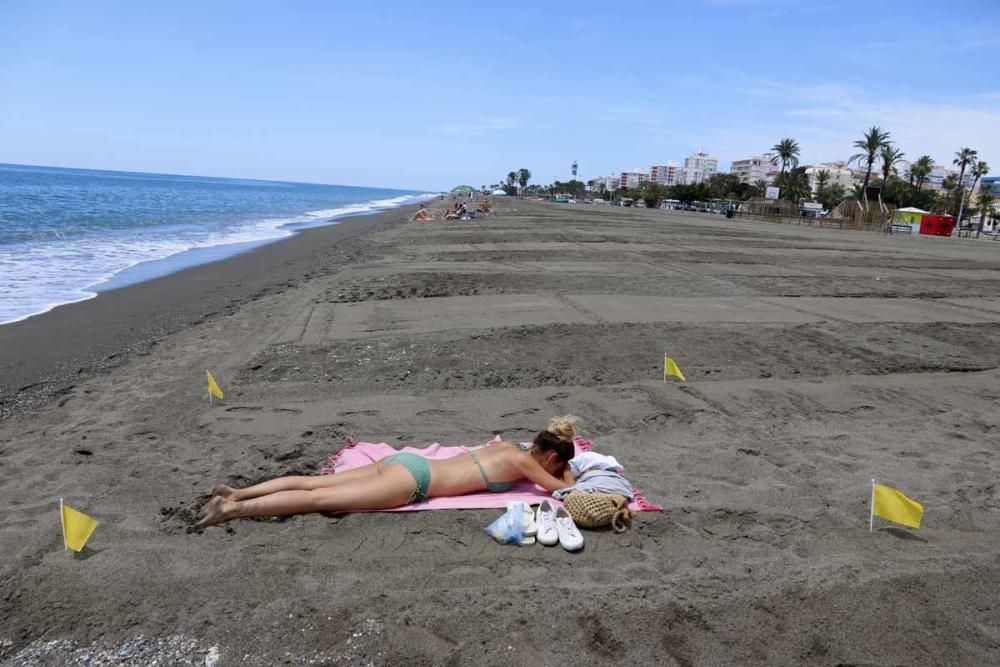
(910, 216)
(937, 225)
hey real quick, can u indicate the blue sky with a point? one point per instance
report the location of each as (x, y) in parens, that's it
(427, 95)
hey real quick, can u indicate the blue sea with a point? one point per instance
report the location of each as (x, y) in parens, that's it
(67, 234)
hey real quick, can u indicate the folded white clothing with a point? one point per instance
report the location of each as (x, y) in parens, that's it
(593, 461)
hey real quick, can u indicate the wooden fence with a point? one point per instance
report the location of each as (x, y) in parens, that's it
(850, 214)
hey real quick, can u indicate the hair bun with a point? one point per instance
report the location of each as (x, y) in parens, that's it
(563, 427)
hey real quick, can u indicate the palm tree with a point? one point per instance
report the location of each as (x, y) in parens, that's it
(822, 180)
(787, 152)
(523, 176)
(891, 156)
(963, 158)
(760, 186)
(873, 141)
(921, 169)
(831, 195)
(986, 199)
(795, 184)
(949, 184)
(978, 171)
(510, 181)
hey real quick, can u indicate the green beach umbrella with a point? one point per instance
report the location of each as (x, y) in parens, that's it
(462, 189)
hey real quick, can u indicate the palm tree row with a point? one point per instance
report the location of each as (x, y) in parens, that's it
(877, 149)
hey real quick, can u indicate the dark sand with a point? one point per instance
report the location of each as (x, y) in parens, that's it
(816, 360)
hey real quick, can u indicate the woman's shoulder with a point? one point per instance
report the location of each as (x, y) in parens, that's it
(506, 446)
(502, 444)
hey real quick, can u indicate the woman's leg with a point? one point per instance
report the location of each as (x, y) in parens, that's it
(392, 487)
(295, 483)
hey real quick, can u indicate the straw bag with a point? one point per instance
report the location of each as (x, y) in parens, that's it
(596, 510)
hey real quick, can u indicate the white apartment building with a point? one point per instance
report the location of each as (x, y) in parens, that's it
(666, 174)
(837, 173)
(754, 168)
(632, 179)
(609, 182)
(699, 167)
(936, 178)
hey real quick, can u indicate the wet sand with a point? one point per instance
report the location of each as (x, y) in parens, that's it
(816, 360)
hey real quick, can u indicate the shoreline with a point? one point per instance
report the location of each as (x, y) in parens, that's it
(47, 353)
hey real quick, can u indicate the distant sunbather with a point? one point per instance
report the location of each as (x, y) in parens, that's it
(460, 210)
(405, 478)
(423, 214)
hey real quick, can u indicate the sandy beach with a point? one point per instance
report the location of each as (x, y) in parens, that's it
(816, 360)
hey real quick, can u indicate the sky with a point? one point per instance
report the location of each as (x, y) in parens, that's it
(428, 95)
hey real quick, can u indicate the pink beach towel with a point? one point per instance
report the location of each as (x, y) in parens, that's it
(357, 454)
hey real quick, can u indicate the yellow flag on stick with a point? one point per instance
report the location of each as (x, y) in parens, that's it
(77, 527)
(213, 388)
(670, 368)
(892, 505)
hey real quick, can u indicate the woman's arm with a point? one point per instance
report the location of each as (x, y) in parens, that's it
(531, 469)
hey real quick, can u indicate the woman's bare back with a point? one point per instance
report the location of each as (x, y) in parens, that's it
(461, 475)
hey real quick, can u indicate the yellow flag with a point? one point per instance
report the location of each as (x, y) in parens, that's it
(213, 387)
(670, 368)
(77, 527)
(892, 505)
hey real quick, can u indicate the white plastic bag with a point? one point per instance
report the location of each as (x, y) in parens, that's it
(508, 529)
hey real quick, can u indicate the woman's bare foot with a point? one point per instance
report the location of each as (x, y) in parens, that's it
(217, 510)
(223, 490)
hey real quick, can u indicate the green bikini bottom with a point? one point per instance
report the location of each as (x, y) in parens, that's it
(419, 468)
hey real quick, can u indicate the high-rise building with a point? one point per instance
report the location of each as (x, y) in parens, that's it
(632, 179)
(754, 168)
(610, 183)
(935, 179)
(666, 174)
(699, 167)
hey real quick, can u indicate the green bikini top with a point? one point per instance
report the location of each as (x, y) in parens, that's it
(492, 487)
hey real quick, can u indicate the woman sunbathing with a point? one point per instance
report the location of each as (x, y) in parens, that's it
(405, 478)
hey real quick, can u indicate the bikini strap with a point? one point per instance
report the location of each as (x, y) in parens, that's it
(475, 457)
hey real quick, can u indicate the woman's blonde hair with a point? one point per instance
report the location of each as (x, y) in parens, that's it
(563, 427)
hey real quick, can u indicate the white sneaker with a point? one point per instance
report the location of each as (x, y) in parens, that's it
(545, 517)
(569, 535)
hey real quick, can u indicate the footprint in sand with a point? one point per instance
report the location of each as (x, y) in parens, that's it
(436, 413)
(520, 413)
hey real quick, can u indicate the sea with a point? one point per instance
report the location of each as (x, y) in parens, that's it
(68, 234)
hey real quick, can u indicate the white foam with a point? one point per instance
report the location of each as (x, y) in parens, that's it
(374, 205)
(37, 277)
